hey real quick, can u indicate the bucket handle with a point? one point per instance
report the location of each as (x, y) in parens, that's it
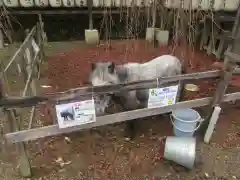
(198, 126)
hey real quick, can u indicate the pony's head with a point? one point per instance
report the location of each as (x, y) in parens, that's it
(103, 73)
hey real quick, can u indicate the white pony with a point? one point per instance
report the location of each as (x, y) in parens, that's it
(106, 73)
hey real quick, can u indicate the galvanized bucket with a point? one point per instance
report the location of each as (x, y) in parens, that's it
(181, 150)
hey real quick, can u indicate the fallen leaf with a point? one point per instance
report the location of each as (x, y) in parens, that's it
(67, 139)
(206, 174)
(45, 86)
(127, 139)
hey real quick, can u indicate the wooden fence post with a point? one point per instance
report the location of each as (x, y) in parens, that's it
(43, 33)
(41, 39)
(40, 42)
(24, 167)
(229, 66)
(1, 39)
(227, 73)
(24, 164)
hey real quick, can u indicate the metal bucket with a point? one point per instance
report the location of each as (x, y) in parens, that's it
(181, 150)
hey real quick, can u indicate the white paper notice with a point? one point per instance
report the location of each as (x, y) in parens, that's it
(159, 97)
(77, 113)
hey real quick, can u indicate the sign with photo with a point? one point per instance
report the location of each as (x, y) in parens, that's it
(159, 97)
(77, 113)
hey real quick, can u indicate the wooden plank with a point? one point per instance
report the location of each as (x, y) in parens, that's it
(5, 89)
(30, 75)
(153, 83)
(212, 124)
(32, 134)
(23, 67)
(234, 45)
(90, 14)
(39, 41)
(24, 164)
(1, 39)
(41, 23)
(232, 56)
(21, 49)
(237, 71)
(220, 91)
(33, 110)
(72, 94)
(222, 86)
(42, 38)
(84, 91)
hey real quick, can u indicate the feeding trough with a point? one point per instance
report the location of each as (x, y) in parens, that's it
(191, 87)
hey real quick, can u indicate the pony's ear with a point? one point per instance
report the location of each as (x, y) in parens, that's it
(93, 66)
(111, 68)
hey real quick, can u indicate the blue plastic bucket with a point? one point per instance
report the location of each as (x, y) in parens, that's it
(185, 122)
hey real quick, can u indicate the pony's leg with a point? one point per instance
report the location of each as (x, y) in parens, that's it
(142, 96)
(140, 99)
(131, 128)
(130, 102)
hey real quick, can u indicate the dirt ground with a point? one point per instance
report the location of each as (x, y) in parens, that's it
(105, 152)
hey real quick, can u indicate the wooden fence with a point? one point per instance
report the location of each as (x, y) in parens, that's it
(73, 94)
(28, 63)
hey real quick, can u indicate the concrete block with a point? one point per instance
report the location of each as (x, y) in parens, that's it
(162, 36)
(150, 34)
(91, 36)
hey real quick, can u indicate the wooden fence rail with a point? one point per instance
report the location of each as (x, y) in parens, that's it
(73, 94)
(28, 65)
(18, 54)
(33, 134)
(27, 59)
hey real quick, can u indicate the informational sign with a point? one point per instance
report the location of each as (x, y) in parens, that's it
(160, 97)
(77, 113)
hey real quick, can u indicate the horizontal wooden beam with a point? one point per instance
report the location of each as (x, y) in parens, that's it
(153, 83)
(232, 56)
(73, 94)
(146, 84)
(21, 50)
(32, 134)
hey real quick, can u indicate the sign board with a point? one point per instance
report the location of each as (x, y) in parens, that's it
(159, 97)
(77, 113)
